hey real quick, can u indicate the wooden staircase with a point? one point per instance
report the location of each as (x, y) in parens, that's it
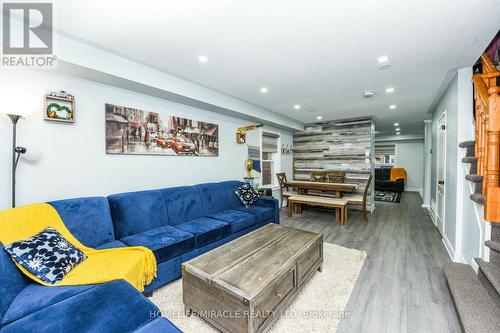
(477, 297)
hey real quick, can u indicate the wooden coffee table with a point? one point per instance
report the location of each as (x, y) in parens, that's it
(244, 285)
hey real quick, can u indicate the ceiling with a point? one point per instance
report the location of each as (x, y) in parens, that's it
(319, 54)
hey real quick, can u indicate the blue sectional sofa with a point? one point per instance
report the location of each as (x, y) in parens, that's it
(177, 224)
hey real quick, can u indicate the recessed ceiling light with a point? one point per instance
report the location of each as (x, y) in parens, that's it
(203, 59)
(384, 62)
(319, 117)
(296, 106)
(393, 106)
(264, 90)
(383, 59)
(398, 133)
(396, 124)
(389, 90)
(398, 129)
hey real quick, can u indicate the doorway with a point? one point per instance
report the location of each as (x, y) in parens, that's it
(441, 173)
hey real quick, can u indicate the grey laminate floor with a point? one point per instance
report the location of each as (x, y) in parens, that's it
(401, 287)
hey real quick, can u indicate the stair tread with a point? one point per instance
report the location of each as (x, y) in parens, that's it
(492, 273)
(466, 144)
(476, 197)
(469, 159)
(477, 311)
(474, 178)
(493, 245)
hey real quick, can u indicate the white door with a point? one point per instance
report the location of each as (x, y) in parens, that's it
(441, 173)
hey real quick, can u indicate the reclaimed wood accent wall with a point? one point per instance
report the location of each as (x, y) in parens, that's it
(340, 145)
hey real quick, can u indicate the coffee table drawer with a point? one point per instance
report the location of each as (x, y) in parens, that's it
(274, 297)
(308, 259)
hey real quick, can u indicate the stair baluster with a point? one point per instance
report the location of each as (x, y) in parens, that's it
(487, 148)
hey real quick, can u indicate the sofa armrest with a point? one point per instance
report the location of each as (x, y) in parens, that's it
(273, 203)
(266, 201)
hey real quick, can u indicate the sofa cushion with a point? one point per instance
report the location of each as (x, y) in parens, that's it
(115, 306)
(166, 242)
(205, 230)
(247, 195)
(213, 197)
(158, 325)
(111, 245)
(88, 219)
(237, 219)
(183, 204)
(232, 198)
(262, 213)
(136, 212)
(12, 281)
(47, 255)
(36, 297)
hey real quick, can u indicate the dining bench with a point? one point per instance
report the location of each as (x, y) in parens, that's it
(339, 204)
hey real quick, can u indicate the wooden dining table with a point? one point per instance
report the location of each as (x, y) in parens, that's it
(336, 188)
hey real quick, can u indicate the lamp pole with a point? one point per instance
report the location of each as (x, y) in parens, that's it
(14, 118)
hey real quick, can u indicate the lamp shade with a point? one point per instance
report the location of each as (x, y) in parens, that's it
(19, 111)
(33, 154)
(19, 104)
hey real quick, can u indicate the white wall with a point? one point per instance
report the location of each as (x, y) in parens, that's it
(427, 163)
(410, 155)
(465, 229)
(471, 227)
(448, 103)
(74, 162)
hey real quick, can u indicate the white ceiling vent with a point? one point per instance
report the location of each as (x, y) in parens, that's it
(368, 93)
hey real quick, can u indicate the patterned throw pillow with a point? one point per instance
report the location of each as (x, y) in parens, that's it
(47, 255)
(247, 194)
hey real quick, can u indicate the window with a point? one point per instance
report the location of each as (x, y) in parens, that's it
(384, 155)
(270, 158)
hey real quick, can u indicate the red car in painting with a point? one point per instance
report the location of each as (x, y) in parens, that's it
(183, 145)
(164, 143)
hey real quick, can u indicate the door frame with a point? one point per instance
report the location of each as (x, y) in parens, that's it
(441, 121)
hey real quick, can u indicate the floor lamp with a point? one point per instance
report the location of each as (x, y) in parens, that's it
(16, 153)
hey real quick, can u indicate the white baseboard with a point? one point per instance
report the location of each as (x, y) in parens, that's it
(455, 256)
(414, 189)
(459, 258)
(431, 213)
(448, 247)
(474, 266)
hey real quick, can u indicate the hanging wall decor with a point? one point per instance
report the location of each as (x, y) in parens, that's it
(241, 132)
(287, 150)
(137, 132)
(59, 106)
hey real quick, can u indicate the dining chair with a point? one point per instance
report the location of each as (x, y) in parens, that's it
(284, 192)
(335, 177)
(360, 199)
(318, 176)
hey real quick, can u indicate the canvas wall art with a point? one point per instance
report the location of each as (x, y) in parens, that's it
(138, 132)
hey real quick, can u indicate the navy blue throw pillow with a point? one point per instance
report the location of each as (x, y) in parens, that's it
(47, 255)
(247, 194)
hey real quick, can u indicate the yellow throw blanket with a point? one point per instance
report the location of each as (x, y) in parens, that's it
(136, 264)
(399, 173)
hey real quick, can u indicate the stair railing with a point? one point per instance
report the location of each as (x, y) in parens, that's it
(487, 110)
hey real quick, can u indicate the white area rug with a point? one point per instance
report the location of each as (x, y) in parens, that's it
(318, 307)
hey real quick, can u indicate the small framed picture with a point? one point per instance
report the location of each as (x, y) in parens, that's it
(59, 108)
(241, 137)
